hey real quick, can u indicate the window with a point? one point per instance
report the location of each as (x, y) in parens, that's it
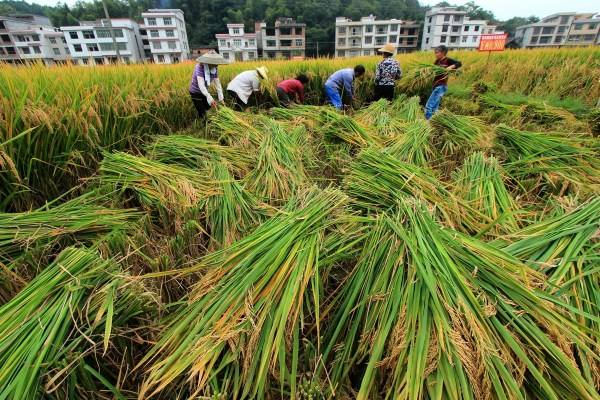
(236, 31)
(270, 32)
(64, 40)
(52, 40)
(92, 47)
(587, 38)
(458, 19)
(561, 29)
(143, 32)
(534, 39)
(152, 21)
(5, 38)
(157, 45)
(37, 50)
(446, 18)
(394, 28)
(56, 51)
(393, 38)
(118, 32)
(222, 42)
(237, 42)
(564, 20)
(341, 53)
(154, 33)
(379, 41)
(252, 42)
(574, 38)
(368, 39)
(426, 40)
(355, 31)
(66, 50)
(251, 55)
(592, 25)
(544, 40)
(536, 30)
(161, 58)
(298, 31)
(428, 29)
(172, 45)
(35, 38)
(442, 39)
(444, 28)
(88, 35)
(74, 35)
(476, 28)
(355, 42)
(285, 31)
(474, 39)
(226, 56)
(20, 38)
(578, 27)
(381, 30)
(369, 28)
(453, 39)
(455, 29)
(547, 30)
(167, 21)
(273, 43)
(464, 39)
(342, 30)
(411, 41)
(558, 39)
(77, 48)
(367, 53)
(145, 42)
(412, 31)
(299, 42)
(25, 50)
(84, 61)
(103, 33)
(466, 28)
(170, 33)
(2, 25)
(354, 53)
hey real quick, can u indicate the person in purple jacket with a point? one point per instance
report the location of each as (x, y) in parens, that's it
(339, 88)
(206, 75)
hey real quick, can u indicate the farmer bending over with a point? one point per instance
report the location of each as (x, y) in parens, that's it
(339, 88)
(292, 90)
(440, 82)
(246, 85)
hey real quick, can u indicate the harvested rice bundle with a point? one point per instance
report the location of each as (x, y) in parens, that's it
(343, 127)
(481, 184)
(231, 212)
(243, 320)
(428, 312)
(54, 314)
(166, 188)
(81, 218)
(234, 127)
(279, 171)
(411, 109)
(194, 152)
(413, 146)
(419, 78)
(377, 180)
(553, 157)
(457, 134)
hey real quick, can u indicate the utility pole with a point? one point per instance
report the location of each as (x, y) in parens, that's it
(112, 32)
(317, 49)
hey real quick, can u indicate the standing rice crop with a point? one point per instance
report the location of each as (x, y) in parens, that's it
(243, 320)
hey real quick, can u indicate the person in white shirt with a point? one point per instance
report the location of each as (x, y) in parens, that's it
(245, 85)
(206, 75)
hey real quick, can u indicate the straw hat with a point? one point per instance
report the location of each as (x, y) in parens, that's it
(212, 58)
(388, 48)
(262, 71)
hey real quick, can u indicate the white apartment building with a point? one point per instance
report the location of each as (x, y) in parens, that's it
(164, 36)
(561, 29)
(237, 44)
(451, 27)
(364, 37)
(31, 38)
(91, 42)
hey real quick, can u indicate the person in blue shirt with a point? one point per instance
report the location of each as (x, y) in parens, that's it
(339, 88)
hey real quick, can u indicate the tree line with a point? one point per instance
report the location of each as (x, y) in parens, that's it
(205, 18)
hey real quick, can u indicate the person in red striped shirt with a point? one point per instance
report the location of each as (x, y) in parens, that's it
(292, 90)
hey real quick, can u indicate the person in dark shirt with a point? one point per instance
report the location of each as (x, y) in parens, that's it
(440, 82)
(292, 90)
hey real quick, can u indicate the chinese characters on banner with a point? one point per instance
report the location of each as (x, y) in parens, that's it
(492, 42)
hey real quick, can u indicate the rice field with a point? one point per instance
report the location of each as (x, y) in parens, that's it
(302, 253)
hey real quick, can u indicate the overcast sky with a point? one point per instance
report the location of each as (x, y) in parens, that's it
(503, 9)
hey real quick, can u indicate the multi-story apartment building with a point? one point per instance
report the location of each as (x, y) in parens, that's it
(286, 40)
(91, 42)
(164, 36)
(451, 27)
(237, 44)
(561, 29)
(29, 38)
(364, 37)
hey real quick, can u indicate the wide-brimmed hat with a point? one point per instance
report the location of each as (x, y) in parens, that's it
(262, 71)
(212, 58)
(387, 48)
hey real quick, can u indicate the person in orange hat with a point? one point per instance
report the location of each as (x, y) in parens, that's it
(387, 73)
